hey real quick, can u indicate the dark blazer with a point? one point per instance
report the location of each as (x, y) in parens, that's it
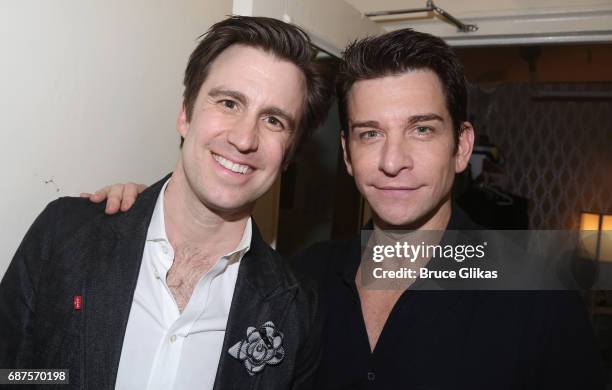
(445, 339)
(74, 249)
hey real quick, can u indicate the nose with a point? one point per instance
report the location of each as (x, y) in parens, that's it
(395, 156)
(244, 135)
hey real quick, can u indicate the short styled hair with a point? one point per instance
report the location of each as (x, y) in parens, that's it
(399, 52)
(283, 40)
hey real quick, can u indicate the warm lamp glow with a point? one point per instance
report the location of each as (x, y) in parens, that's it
(589, 221)
(596, 236)
(589, 235)
(606, 224)
(605, 241)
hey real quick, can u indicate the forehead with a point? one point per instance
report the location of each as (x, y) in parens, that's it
(258, 74)
(409, 93)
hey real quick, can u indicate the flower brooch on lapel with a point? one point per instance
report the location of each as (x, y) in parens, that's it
(263, 345)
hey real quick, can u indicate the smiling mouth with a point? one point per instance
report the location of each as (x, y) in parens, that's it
(232, 166)
(397, 188)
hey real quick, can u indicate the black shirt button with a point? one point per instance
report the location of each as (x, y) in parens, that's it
(371, 376)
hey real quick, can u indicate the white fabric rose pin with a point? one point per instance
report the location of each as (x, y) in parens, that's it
(263, 345)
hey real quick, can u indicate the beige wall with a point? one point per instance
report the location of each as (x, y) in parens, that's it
(331, 24)
(90, 93)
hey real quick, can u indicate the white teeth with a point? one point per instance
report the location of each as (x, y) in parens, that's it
(232, 166)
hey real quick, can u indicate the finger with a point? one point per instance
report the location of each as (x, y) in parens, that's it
(112, 206)
(99, 195)
(130, 193)
(114, 196)
(85, 195)
(141, 187)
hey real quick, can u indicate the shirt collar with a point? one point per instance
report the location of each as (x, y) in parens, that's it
(157, 227)
(459, 220)
(245, 242)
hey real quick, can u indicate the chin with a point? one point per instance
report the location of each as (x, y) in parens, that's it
(231, 211)
(227, 203)
(395, 218)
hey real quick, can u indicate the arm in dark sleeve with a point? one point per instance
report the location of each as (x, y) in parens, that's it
(314, 264)
(18, 291)
(311, 351)
(571, 357)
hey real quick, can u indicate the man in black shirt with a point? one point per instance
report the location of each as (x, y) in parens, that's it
(402, 102)
(403, 110)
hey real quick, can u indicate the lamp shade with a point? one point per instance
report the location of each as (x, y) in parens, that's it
(589, 234)
(605, 240)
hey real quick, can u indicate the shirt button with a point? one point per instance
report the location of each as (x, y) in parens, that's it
(165, 249)
(371, 376)
(173, 338)
(156, 274)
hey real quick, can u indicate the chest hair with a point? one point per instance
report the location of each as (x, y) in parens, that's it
(189, 265)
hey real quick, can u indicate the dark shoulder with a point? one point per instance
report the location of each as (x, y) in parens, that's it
(68, 214)
(557, 308)
(75, 208)
(50, 232)
(288, 275)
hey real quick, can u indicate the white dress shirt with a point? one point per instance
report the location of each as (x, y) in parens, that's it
(164, 348)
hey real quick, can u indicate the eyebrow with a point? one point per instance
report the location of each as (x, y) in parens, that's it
(216, 92)
(410, 121)
(240, 97)
(355, 125)
(424, 118)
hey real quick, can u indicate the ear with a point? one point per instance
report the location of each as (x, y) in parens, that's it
(465, 147)
(286, 160)
(346, 153)
(182, 124)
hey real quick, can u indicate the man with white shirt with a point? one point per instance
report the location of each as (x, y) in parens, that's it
(181, 292)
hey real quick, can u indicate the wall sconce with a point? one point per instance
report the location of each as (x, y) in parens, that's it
(596, 236)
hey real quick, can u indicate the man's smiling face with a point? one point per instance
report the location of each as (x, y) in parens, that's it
(401, 148)
(241, 127)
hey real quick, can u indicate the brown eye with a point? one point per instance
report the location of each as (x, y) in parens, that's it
(229, 104)
(274, 122)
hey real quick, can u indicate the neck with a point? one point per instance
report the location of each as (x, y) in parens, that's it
(190, 223)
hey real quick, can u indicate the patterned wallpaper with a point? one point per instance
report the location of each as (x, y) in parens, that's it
(558, 151)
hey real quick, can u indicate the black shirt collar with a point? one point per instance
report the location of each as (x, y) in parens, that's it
(459, 220)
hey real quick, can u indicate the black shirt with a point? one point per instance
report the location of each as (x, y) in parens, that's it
(450, 339)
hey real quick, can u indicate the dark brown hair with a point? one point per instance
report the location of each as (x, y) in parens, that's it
(398, 52)
(281, 39)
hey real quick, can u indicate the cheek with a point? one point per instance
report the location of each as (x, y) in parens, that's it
(273, 148)
(210, 124)
(362, 168)
(364, 159)
(436, 164)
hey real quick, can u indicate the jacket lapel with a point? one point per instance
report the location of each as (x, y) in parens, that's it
(261, 295)
(112, 274)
